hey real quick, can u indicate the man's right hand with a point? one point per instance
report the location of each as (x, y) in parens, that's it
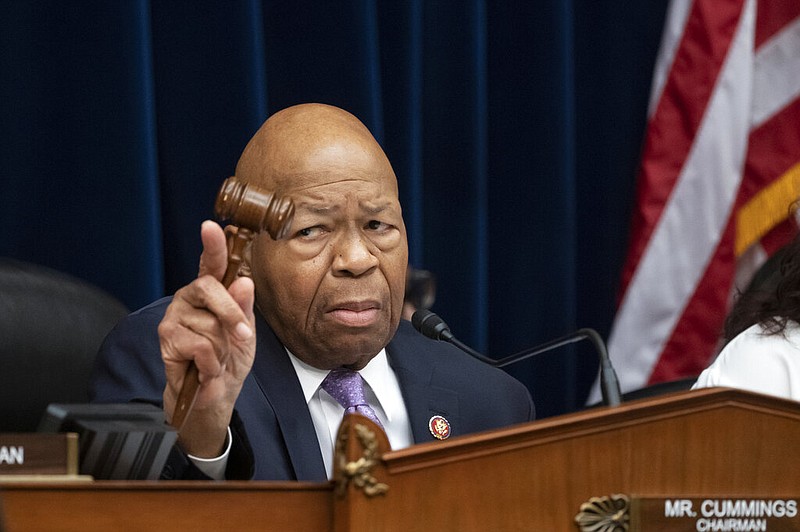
(213, 327)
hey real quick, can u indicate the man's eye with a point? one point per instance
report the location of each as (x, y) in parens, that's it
(308, 232)
(376, 225)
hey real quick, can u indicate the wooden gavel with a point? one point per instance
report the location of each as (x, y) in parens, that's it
(252, 210)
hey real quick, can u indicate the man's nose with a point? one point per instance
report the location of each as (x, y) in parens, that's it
(354, 254)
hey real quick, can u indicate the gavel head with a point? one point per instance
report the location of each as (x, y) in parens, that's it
(250, 207)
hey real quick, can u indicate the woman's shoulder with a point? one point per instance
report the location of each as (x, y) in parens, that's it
(765, 334)
(758, 359)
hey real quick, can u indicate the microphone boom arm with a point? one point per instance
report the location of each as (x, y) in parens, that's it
(609, 384)
(432, 326)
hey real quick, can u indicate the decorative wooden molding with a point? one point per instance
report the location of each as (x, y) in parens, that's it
(355, 458)
(605, 514)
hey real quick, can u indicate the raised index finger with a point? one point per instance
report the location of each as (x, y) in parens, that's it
(214, 259)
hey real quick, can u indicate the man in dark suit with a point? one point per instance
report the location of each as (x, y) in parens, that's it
(327, 297)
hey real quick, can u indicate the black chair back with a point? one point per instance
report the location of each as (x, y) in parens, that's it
(51, 326)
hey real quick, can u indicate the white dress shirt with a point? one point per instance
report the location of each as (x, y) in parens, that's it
(383, 395)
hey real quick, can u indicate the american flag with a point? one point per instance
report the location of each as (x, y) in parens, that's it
(720, 170)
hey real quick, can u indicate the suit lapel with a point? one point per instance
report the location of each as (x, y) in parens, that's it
(423, 395)
(275, 376)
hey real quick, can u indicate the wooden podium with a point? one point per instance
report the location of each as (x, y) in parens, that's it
(534, 476)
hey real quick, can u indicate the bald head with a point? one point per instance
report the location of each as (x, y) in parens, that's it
(332, 291)
(290, 150)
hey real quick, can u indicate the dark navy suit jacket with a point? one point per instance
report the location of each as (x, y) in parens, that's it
(271, 411)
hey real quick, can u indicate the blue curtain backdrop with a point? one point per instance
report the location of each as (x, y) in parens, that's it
(514, 129)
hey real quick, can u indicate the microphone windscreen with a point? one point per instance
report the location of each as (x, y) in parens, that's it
(418, 317)
(430, 325)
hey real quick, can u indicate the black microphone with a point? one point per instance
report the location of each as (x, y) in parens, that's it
(432, 326)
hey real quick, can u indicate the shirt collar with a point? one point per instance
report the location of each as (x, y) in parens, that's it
(376, 374)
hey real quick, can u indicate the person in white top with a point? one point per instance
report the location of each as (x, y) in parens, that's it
(762, 353)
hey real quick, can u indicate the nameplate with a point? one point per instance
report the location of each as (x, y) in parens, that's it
(35, 454)
(717, 514)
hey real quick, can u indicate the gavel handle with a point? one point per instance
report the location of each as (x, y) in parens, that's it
(191, 381)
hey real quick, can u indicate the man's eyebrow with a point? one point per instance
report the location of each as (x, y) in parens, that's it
(317, 208)
(374, 209)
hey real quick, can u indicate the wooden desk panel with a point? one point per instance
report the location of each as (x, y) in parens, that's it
(533, 476)
(105, 506)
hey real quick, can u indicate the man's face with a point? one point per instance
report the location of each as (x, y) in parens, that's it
(333, 289)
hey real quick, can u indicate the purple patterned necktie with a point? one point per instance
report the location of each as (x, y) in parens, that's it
(347, 387)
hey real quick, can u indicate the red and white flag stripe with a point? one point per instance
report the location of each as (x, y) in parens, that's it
(720, 168)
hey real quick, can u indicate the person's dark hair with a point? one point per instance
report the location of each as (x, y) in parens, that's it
(771, 299)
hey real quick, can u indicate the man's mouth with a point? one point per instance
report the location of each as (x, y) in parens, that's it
(356, 314)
